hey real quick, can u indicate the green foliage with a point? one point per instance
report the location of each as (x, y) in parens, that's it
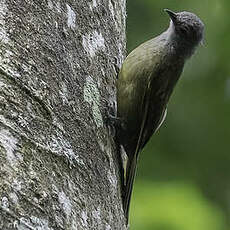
(193, 144)
(173, 206)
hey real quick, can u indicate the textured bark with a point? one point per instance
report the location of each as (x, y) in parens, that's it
(59, 167)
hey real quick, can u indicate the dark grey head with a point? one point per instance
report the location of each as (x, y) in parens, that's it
(187, 26)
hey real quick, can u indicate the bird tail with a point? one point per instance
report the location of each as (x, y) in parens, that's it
(130, 176)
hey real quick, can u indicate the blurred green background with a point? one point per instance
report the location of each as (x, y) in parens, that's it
(183, 178)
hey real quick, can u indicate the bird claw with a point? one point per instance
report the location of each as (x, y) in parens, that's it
(112, 121)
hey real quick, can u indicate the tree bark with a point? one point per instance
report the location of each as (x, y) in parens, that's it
(59, 164)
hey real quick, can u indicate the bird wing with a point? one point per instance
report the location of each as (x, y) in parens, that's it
(164, 114)
(142, 140)
(132, 161)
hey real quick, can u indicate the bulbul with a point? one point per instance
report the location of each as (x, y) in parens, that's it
(145, 84)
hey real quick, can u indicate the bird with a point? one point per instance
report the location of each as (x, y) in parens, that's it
(145, 83)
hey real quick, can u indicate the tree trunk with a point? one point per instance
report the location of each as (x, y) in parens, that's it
(59, 167)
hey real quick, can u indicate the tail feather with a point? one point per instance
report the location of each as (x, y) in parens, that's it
(130, 176)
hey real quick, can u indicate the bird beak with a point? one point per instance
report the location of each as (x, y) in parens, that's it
(171, 14)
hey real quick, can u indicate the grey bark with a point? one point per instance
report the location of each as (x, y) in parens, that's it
(59, 167)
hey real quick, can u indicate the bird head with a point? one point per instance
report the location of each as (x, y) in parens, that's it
(187, 26)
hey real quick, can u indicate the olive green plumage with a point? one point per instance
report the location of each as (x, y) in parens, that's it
(145, 83)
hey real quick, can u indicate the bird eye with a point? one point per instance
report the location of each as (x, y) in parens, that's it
(183, 31)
